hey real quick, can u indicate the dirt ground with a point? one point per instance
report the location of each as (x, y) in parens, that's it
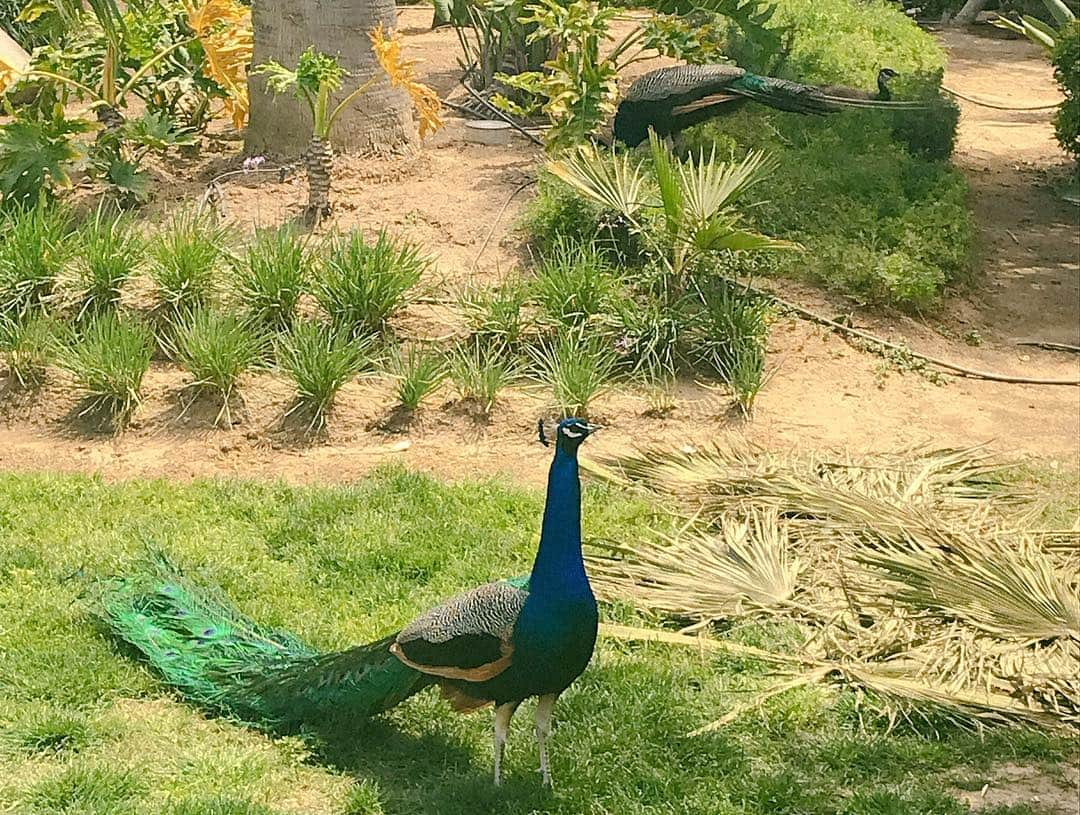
(461, 201)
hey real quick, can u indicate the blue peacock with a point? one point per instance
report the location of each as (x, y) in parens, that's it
(500, 643)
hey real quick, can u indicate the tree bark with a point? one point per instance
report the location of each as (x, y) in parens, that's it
(971, 10)
(379, 121)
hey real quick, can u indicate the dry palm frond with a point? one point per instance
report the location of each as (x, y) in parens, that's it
(223, 27)
(914, 577)
(747, 565)
(402, 74)
(1009, 590)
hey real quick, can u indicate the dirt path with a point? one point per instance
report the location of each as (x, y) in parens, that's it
(823, 392)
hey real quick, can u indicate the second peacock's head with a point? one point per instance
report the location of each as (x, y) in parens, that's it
(569, 433)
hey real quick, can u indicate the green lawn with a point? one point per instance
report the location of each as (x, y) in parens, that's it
(86, 729)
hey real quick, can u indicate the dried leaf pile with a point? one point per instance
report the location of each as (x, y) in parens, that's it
(920, 579)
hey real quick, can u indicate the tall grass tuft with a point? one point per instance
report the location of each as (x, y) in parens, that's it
(28, 347)
(320, 360)
(108, 359)
(186, 257)
(418, 373)
(35, 246)
(577, 368)
(271, 276)
(574, 283)
(495, 315)
(363, 284)
(111, 250)
(480, 371)
(729, 334)
(217, 349)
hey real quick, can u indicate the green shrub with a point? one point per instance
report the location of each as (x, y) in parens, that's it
(418, 373)
(842, 42)
(480, 371)
(28, 346)
(320, 360)
(108, 359)
(363, 284)
(649, 334)
(85, 789)
(36, 243)
(111, 250)
(271, 276)
(1066, 59)
(578, 368)
(876, 222)
(217, 349)
(186, 256)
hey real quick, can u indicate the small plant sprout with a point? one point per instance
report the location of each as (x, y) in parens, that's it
(574, 284)
(185, 261)
(28, 347)
(319, 361)
(418, 373)
(494, 315)
(217, 349)
(271, 276)
(577, 368)
(480, 371)
(108, 359)
(316, 78)
(363, 284)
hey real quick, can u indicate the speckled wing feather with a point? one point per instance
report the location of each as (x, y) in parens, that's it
(467, 637)
(679, 80)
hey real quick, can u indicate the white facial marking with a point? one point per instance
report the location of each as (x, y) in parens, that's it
(570, 434)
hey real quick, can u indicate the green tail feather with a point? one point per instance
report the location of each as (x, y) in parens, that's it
(221, 659)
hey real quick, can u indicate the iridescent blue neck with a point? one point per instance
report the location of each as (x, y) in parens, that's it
(559, 570)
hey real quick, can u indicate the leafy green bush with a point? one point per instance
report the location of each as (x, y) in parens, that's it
(842, 42)
(108, 359)
(495, 315)
(363, 284)
(1066, 59)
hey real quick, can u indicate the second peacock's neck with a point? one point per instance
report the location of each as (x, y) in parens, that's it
(558, 570)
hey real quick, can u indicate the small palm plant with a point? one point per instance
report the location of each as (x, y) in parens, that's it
(316, 78)
(696, 204)
(577, 368)
(108, 359)
(217, 349)
(418, 373)
(271, 276)
(319, 361)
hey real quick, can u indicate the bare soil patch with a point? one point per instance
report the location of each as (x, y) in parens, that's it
(824, 392)
(1016, 785)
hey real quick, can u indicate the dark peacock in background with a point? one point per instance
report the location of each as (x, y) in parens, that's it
(500, 643)
(670, 100)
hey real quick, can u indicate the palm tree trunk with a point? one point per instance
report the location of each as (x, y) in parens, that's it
(319, 160)
(380, 120)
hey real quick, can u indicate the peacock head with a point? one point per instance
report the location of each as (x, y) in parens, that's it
(569, 433)
(885, 75)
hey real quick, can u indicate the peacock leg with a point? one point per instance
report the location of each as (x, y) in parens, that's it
(545, 707)
(503, 715)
